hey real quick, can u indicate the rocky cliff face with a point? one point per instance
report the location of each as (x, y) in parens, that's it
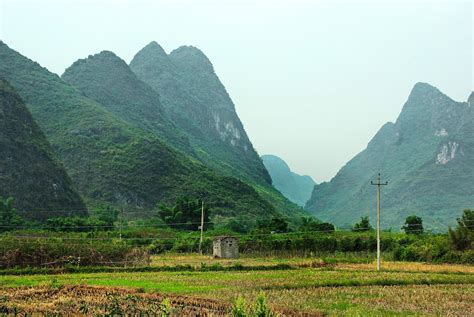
(201, 107)
(29, 171)
(297, 188)
(427, 156)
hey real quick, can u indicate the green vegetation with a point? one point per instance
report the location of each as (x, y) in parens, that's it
(239, 309)
(102, 220)
(275, 225)
(261, 308)
(185, 215)
(63, 251)
(29, 171)
(354, 290)
(199, 105)
(107, 79)
(462, 238)
(413, 225)
(421, 155)
(112, 161)
(176, 230)
(363, 225)
(9, 218)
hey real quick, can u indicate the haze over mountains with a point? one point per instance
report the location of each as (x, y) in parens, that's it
(164, 128)
(295, 187)
(120, 145)
(427, 156)
(29, 171)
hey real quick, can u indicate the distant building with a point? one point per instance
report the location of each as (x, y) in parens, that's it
(226, 247)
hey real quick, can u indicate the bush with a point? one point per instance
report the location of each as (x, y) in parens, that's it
(413, 225)
(55, 252)
(463, 237)
(261, 308)
(363, 225)
(238, 309)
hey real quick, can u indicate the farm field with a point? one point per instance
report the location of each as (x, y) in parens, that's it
(339, 289)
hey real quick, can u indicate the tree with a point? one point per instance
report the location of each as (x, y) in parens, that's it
(463, 237)
(325, 227)
(185, 214)
(363, 225)
(276, 224)
(239, 224)
(9, 219)
(309, 224)
(413, 225)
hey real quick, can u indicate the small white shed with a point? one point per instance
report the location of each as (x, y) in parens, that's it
(226, 247)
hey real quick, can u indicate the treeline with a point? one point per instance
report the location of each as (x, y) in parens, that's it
(175, 229)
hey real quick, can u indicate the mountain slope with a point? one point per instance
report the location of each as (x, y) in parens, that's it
(28, 170)
(427, 156)
(107, 79)
(201, 107)
(112, 161)
(297, 188)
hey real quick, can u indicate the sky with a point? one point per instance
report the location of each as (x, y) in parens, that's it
(312, 81)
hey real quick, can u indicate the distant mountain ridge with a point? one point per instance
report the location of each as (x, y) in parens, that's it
(295, 187)
(29, 171)
(112, 161)
(427, 156)
(121, 146)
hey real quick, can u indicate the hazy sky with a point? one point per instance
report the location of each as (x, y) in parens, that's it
(312, 81)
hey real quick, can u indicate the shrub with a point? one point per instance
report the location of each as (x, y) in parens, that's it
(238, 309)
(463, 237)
(413, 225)
(363, 225)
(57, 252)
(261, 308)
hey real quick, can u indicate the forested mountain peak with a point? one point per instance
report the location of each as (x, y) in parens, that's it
(192, 57)
(428, 149)
(110, 160)
(200, 106)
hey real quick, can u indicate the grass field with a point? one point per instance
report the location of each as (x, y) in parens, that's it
(337, 289)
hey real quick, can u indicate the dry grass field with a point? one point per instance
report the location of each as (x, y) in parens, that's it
(304, 290)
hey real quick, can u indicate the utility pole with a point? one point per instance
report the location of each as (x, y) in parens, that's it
(378, 183)
(120, 223)
(201, 226)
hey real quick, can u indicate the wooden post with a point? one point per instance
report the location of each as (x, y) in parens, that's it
(201, 227)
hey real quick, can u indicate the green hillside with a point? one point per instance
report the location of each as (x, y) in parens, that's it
(115, 162)
(295, 187)
(29, 171)
(427, 157)
(200, 106)
(106, 78)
